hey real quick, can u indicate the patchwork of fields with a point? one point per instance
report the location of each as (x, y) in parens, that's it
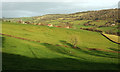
(51, 54)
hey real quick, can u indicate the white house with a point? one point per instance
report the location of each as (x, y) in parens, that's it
(67, 27)
(112, 24)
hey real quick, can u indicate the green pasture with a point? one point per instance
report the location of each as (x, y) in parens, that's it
(28, 55)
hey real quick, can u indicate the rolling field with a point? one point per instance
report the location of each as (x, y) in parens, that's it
(54, 35)
(113, 37)
(46, 55)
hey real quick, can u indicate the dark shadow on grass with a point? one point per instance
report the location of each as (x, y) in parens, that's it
(18, 62)
(114, 49)
(62, 50)
(68, 44)
(93, 52)
(101, 53)
(2, 40)
(55, 48)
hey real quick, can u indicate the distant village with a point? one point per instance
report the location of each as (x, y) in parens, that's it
(68, 26)
(49, 25)
(65, 26)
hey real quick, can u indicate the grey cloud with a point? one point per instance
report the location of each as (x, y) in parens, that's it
(21, 9)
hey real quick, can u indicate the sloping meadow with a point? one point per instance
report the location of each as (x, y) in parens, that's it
(55, 51)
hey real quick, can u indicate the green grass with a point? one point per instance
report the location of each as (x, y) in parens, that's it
(55, 35)
(100, 22)
(26, 55)
(113, 29)
(81, 22)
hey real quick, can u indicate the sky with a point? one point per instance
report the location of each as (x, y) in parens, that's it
(28, 8)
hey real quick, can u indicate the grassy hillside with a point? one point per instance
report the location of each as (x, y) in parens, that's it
(27, 55)
(54, 35)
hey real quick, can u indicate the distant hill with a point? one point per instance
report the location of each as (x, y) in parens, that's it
(109, 14)
(100, 15)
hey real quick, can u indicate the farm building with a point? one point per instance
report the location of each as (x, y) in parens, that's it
(67, 27)
(23, 22)
(50, 25)
(39, 24)
(112, 24)
(20, 21)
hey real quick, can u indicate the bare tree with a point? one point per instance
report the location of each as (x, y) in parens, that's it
(74, 41)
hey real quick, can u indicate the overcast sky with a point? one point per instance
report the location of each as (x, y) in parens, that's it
(28, 8)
